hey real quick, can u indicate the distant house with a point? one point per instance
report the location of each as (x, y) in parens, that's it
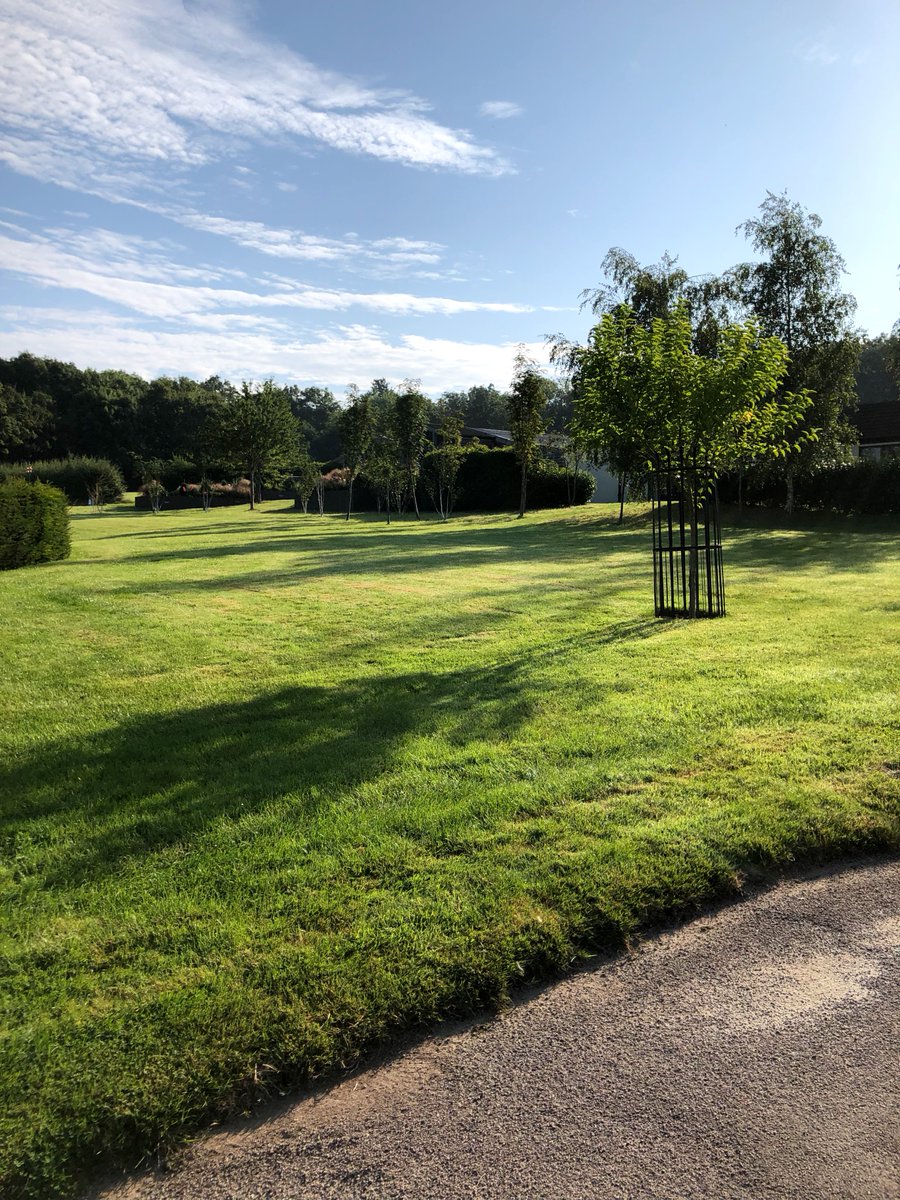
(879, 429)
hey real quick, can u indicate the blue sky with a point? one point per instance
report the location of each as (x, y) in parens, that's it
(329, 193)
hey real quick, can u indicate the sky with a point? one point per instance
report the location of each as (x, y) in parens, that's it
(326, 194)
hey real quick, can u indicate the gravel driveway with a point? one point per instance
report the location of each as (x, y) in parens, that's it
(752, 1054)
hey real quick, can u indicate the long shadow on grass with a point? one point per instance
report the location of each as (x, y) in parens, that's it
(161, 779)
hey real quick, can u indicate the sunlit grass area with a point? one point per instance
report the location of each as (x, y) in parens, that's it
(274, 786)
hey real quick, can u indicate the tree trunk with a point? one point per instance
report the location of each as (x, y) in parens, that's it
(252, 490)
(412, 488)
(350, 499)
(740, 491)
(621, 498)
(522, 494)
(789, 499)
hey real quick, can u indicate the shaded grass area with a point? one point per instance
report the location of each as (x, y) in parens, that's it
(275, 786)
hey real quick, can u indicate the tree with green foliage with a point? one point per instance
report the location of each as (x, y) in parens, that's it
(878, 369)
(24, 422)
(647, 387)
(525, 405)
(386, 466)
(306, 474)
(445, 460)
(653, 289)
(410, 420)
(257, 432)
(357, 426)
(795, 294)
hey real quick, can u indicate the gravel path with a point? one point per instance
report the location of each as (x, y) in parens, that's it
(751, 1054)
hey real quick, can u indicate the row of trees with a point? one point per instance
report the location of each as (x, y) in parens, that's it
(52, 409)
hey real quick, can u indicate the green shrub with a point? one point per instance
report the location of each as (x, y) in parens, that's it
(81, 479)
(862, 486)
(489, 481)
(34, 524)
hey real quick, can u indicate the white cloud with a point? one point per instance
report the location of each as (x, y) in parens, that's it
(501, 110)
(286, 187)
(289, 243)
(334, 357)
(138, 275)
(106, 94)
(819, 53)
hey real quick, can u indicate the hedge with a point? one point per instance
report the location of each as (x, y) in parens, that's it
(863, 486)
(490, 480)
(34, 524)
(80, 479)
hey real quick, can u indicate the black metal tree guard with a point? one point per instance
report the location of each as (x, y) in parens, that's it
(688, 579)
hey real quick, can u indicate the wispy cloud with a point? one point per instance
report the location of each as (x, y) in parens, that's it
(106, 94)
(501, 110)
(140, 276)
(818, 53)
(334, 357)
(289, 243)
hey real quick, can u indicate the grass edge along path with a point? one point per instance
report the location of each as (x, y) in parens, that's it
(183, 965)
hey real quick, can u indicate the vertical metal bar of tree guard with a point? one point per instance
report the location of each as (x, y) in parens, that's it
(673, 540)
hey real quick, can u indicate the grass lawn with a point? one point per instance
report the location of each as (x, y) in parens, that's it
(274, 786)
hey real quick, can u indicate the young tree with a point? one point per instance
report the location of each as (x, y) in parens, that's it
(525, 405)
(356, 424)
(257, 432)
(648, 387)
(795, 294)
(410, 421)
(306, 475)
(445, 460)
(386, 466)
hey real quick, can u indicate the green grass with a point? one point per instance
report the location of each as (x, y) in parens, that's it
(275, 786)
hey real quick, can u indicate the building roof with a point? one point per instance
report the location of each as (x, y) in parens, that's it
(500, 435)
(878, 422)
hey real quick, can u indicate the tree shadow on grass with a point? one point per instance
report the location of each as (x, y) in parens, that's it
(841, 544)
(161, 779)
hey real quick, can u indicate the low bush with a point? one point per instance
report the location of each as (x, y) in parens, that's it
(80, 479)
(489, 481)
(34, 524)
(862, 486)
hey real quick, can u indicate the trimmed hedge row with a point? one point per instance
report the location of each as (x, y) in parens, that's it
(81, 479)
(34, 524)
(489, 481)
(863, 486)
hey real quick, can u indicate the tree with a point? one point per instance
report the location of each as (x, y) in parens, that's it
(445, 460)
(649, 388)
(257, 432)
(652, 290)
(317, 410)
(795, 294)
(525, 405)
(410, 420)
(24, 423)
(356, 424)
(878, 370)
(486, 408)
(306, 476)
(386, 467)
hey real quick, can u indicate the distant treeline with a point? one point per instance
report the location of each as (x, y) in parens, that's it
(54, 410)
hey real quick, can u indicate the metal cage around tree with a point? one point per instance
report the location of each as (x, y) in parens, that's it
(688, 578)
